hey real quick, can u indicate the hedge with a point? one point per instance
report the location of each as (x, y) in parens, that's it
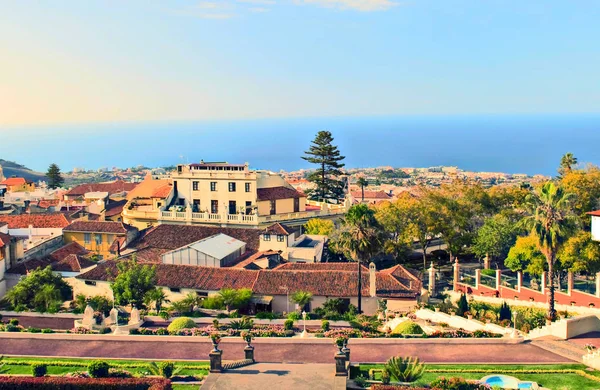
(84, 364)
(63, 383)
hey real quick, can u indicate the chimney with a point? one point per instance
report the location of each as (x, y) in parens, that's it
(372, 280)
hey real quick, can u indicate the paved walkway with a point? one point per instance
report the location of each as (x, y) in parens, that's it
(566, 348)
(272, 351)
(263, 376)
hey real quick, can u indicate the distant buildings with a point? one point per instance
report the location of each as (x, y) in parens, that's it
(18, 184)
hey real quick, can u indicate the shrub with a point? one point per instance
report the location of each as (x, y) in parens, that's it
(488, 272)
(456, 384)
(243, 323)
(222, 315)
(47, 330)
(13, 328)
(405, 369)
(164, 315)
(105, 330)
(325, 325)
(264, 315)
(216, 324)
(34, 330)
(98, 369)
(13, 321)
(288, 324)
(294, 316)
(64, 383)
(385, 376)
(463, 305)
(38, 369)
(181, 323)
(408, 327)
(504, 313)
(167, 369)
(162, 332)
(361, 381)
(214, 302)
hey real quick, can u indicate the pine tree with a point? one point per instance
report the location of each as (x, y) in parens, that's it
(327, 156)
(55, 178)
(463, 305)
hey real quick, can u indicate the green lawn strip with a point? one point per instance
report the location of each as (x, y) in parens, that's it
(186, 387)
(545, 375)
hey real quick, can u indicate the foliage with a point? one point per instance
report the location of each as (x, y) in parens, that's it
(156, 296)
(495, 238)
(243, 323)
(265, 315)
(395, 219)
(164, 369)
(294, 316)
(325, 325)
(361, 381)
(362, 183)
(580, 254)
(443, 383)
(288, 325)
(133, 282)
(63, 383)
(328, 159)
(164, 315)
(233, 299)
(191, 300)
(98, 369)
(319, 226)
(301, 298)
(55, 179)
(408, 327)
(584, 184)
(40, 290)
(504, 313)
(407, 369)
(39, 369)
(181, 323)
(526, 256)
(462, 306)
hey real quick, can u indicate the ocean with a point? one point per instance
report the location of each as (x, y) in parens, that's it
(531, 144)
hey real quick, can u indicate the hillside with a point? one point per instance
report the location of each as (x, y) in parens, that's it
(13, 169)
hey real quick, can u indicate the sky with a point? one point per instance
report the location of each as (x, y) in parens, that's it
(65, 62)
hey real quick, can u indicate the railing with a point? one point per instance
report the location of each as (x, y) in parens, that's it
(133, 213)
(467, 276)
(532, 282)
(509, 281)
(584, 285)
(488, 281)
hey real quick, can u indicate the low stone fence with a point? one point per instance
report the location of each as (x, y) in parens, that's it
(567, 328)
(461, 322)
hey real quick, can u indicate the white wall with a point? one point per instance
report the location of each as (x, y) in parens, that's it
(595, 228)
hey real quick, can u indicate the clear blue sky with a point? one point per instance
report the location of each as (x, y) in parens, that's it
(93, 61)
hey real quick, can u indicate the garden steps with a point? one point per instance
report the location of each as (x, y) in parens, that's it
(561, 347)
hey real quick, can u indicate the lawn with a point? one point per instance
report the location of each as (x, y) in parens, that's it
(186, 387)
(542, 374)
(60, 366)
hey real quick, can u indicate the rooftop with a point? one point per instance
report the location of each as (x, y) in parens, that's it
(99, 227)
(22, 221)
(14, 181)
(280, 229)
(218, 246)
(275, 193)
(112, 188)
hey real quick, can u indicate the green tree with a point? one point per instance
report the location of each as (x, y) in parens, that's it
(362, 183)
(395, 219)
(133, 282)
(584, 184)
(55, 179)
(580, 254)
(156, 296)
(526, 256)
(233, 299)
(301, 298)
(551, 222)
(328, 158)
(40, 290)
(495, 238)
(567, 162)
(319, 226)
(359, 239)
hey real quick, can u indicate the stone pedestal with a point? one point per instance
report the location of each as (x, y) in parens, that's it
(216, 361)
(340, 365)
(346, 352)
(249, 352)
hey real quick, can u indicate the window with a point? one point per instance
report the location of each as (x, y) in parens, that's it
(231, 186)
(175, 289)
(196, 205)
(247, 187)
(87, 238)
(296, 205)
(248, 207)
(214, 206)
(194, 186)
(273, 208)
(110, 238)
(266, 237)
(280, 238)
(98, 238)
(90, 283)
(213, 186)
(232, 207)
(158, 204)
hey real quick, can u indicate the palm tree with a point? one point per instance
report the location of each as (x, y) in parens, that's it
(359, 238)
(567, 162)
(230, 298)
(362, 183)
(157, 296)
(301, 299)
(551, 222)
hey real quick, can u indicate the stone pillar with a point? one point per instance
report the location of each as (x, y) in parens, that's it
(498, 279)
(519, 280)
(249, 353)
(569, 283)
(432, 279)
(340, 365)
(215, 361)
(456, 275)
(598, 285)
(486, 261)
(477, 278)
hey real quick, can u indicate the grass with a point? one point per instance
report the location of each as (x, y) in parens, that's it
(186, 387)
(543, 374)
(192, 368)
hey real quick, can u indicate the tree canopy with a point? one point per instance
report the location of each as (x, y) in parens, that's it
(328, 159)
(55, 179)
(133, 282)
(41, 290)
(319, 226)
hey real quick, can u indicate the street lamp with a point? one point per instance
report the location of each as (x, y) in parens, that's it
(304, 322)
(514, 335)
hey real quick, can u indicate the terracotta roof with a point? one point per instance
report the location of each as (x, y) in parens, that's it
(162, 192)
(184, 276)
(72, 263)
(22, 221)
(150, 188)
(247, 263)
(112, 188)
(114, 208)
(99, 227)
(72, 248)
(371, 195)
(320, 267)
(595, 213)
(279, 229)
(4, 239)
(118, 244)
(164, 238)
(28, 266)
(15, 181)
(275, 193)
(46, 203)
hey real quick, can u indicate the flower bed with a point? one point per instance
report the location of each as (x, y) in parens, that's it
(64, 383)
(257, 331)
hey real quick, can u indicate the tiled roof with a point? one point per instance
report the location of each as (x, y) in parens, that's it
(275, 193)
(72, 248)
(164, 238)
(246, 263)
(112, 188)
(118, 244)
(54, 220)
(98, 227)
(46, 203)
(14, 181)
(371, 195)
(162, 192)
(320, 267)
(30, 265)
(595, 213)
(114, 208)
(150, 188)
(72, 263)
(280, 229)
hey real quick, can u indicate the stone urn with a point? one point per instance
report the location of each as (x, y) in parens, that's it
(216, 339)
